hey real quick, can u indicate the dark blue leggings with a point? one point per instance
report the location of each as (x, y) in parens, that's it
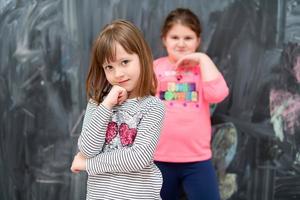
(197, 178)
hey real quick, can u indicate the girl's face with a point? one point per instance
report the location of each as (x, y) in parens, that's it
(124, 71)
(180, 40)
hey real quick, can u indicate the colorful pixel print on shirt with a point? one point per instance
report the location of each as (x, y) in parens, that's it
(181, 87)
(178, 91)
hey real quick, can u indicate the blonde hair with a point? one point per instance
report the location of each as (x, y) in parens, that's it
(104, 49)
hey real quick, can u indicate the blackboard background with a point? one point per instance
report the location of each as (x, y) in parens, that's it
(44, 54)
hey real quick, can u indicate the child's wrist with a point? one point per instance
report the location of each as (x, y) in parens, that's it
(107, 105)
(203, 59)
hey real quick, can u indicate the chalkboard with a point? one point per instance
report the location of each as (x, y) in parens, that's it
(44, 55)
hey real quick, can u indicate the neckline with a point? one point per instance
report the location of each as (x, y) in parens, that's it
(131, 99)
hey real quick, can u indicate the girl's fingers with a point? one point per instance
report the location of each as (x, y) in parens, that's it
(185, 64)
(122, 96)
(184, 61)
(117, 95)
(179, 63)
(76, 171)
(187, 61)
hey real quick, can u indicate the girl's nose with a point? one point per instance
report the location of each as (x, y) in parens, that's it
(181, 42)
(119, 73)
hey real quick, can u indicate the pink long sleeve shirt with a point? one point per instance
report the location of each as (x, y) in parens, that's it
(186, 133)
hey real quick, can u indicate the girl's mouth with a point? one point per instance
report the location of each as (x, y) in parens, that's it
(124, 81)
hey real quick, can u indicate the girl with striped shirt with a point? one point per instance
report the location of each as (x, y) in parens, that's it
(123, 118)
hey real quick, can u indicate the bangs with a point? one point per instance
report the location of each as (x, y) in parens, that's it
(106, 48)
(107, 43)
(110, 54)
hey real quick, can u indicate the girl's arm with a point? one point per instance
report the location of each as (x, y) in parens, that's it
(92, 137)
(140, 154)
(208, 69)
(95, 122)
(213, 84)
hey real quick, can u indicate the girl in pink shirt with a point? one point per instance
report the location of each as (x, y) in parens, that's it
(188, 83)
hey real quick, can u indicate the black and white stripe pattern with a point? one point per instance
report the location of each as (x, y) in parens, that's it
(124, 173)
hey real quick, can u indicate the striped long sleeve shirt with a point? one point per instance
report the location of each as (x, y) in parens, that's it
(119, 145)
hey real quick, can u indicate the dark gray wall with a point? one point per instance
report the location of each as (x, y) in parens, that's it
(44, 54)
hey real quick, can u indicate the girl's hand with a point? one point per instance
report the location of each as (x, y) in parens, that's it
(79, 163)
(117, 95)
(189, 60)
(208, 69)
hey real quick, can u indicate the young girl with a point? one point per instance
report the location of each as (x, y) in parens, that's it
(123, 119)
(188, 83)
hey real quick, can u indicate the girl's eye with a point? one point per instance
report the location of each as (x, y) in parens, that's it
(188, 38)
(174, 37)
(125, 62)
(108, 68)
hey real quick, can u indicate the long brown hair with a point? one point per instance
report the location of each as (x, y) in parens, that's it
(104, 49)
(182, 16)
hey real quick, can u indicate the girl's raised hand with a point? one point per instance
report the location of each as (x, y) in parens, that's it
(117, 95)
(209, 71)
(189, 60)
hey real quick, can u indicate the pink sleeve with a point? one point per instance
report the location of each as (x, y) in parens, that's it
(216, 90)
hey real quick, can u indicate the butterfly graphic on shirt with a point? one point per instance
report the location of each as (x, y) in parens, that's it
(126, 134)
(121, 131)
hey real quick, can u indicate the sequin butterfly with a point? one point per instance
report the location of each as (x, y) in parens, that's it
(127, 135)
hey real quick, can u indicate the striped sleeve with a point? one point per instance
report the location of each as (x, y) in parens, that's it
(92, 137)
(140, 154)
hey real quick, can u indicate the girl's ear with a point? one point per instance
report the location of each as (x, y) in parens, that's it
(164, 41)
(199, 42)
